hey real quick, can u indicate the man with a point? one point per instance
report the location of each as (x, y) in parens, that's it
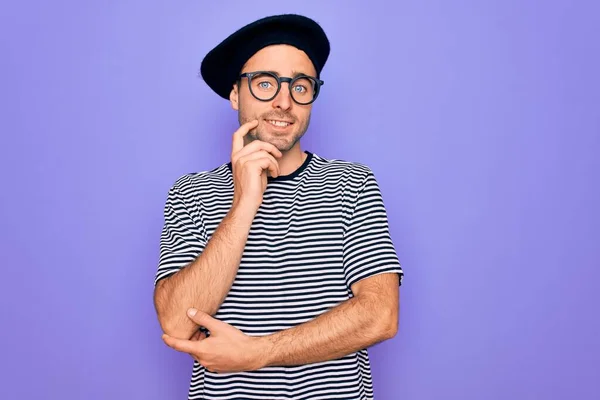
(276, 269)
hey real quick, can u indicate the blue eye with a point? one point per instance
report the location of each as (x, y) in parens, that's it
(300, 89)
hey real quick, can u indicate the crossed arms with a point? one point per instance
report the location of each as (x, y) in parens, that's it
(369, 317)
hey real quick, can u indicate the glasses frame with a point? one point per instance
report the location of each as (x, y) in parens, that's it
(280, 80)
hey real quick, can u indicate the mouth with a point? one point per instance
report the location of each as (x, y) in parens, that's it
(278, 123)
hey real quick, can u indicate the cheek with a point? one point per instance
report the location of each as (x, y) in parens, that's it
(247, 111)
(303, 115)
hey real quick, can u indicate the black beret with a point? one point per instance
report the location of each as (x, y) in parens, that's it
(221, 67)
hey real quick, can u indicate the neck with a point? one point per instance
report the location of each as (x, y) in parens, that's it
(291, 160)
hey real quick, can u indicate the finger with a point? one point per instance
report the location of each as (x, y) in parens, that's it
(203, 319)
(199, 335)
(258, 145)
(261, 155)
(265, 163)
(238, 136)
(184, 346)
(257, 155)
(268, 164)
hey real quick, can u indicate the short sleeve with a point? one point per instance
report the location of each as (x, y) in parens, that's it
(367, 248)
(182, 238)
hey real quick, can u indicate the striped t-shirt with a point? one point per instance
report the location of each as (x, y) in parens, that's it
(318, 231)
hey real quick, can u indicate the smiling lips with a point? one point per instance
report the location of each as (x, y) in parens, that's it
(279, 124)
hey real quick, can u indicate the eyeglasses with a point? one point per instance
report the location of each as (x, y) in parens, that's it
(265, 86)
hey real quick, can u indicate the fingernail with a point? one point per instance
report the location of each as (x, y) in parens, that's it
(192, 312)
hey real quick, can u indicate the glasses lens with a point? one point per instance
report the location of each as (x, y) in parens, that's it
(263, 86)
(304, 90)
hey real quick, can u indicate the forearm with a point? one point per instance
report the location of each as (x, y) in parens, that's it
(204, 283)
(349, 327)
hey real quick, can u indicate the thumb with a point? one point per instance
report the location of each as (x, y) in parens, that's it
(203, 319)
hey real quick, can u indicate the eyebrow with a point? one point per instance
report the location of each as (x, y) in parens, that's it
(294, 73)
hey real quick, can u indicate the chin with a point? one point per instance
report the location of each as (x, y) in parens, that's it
(281, 142)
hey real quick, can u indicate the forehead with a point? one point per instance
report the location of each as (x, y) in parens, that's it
(281, 58)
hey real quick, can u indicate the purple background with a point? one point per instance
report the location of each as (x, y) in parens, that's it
(480, 119)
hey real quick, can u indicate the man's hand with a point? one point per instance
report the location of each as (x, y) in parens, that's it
(250, 165)
(199, 335)
(227, 349)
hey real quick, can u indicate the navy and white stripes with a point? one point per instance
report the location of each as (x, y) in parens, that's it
(318, 231)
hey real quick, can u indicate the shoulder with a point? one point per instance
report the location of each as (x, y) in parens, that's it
(196, 182)
(352, 171)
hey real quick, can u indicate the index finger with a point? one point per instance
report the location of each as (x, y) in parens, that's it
(238, 136)
(181, 345)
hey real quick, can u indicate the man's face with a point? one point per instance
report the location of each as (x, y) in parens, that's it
(285, 61)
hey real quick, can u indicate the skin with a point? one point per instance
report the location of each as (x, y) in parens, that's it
(360, 322)
(371, 316)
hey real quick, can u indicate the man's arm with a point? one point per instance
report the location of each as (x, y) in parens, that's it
(372, 271)
(370, 317)
(205, 282)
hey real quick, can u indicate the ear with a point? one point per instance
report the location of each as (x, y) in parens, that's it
(234, 97)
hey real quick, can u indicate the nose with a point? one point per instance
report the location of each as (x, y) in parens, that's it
(283, 100)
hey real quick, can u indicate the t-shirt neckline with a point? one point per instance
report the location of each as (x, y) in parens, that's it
(298, 171)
